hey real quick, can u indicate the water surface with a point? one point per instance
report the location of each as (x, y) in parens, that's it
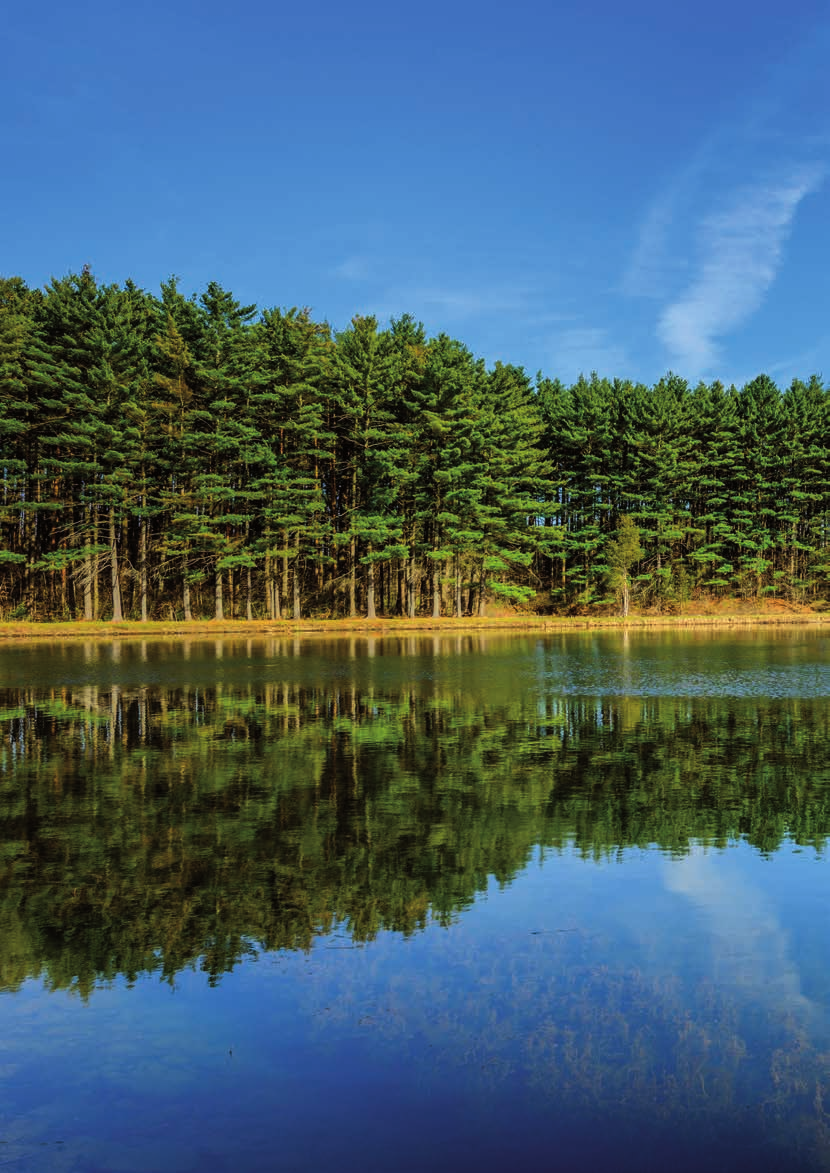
(440, 903)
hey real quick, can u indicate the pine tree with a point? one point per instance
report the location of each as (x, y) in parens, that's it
(663, 467)
(514, 485)
(448, 488)
(756, 479)
(175, 402)
(137, 322)
(804, 489)
(296, 455)
(715, 433)
(586, 441)
(407, 362)
(369, 525)
(17, 411)
(83, 442)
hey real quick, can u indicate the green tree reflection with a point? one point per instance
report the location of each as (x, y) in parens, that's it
(148, 829)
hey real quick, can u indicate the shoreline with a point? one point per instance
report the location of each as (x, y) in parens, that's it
(102, 629)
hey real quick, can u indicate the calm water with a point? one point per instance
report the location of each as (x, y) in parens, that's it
(423, 904)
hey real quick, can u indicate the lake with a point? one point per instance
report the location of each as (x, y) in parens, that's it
(424, 903)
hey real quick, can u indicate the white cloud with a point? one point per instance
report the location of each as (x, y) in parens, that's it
(751, 949)
(354, 268)
(652, 265)
(470, 303)
(644, 276)
(582, 349)
(741, 251)
(445, 306)
(710, 259)
(801, 365)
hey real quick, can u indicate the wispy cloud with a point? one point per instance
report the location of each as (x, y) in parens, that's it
(741, 250)
(645, 274)
(450, 305)
(469, 303)
(798, 365)
(652, 265)
(713, 238)
(751, 948)
(355, 268)
(582, 349)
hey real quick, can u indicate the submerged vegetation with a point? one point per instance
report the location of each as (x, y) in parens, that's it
(166, 457)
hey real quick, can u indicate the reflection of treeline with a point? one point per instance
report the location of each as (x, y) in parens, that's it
(144, 829)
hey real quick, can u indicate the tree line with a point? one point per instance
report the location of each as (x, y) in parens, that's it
(166, 456)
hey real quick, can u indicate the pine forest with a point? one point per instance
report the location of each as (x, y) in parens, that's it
(173, 457)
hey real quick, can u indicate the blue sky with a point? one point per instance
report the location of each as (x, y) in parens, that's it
(629, 187)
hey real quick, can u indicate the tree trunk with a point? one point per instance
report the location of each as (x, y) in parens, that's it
(219, 612)
(352, 578)
(249, 610)
(64, 599)
(142, 567)
(269, 589)
(401, 589)
(410, 589)
(269, 598)
(188, 614)
(436, 591)
(86, 575)
(29, 549)
(482, 592)
(297, 600)
(370, 586)
(459, 610)
(115, 581)
(96, 574)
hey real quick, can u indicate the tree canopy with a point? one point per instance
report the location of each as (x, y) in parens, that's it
(166, 456)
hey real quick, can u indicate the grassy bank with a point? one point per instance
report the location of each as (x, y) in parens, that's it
(726, 615)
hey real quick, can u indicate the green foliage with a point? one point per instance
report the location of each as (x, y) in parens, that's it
(512, 591)
(622, 551)
(170, 453)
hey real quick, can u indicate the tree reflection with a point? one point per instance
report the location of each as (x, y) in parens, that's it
(149, 829)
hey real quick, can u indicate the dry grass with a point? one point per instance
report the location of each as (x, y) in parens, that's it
(711, 614)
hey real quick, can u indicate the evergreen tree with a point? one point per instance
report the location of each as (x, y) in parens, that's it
(804, 490)
(177, 407)
(715, 432)
(587, 439)
(369, 522)
(83, 444)
(296, 454)
(17, 411)
(449, 486)
(515, 487)
(664, 466)
(757, 477)
(182, 453)
(407, 362)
